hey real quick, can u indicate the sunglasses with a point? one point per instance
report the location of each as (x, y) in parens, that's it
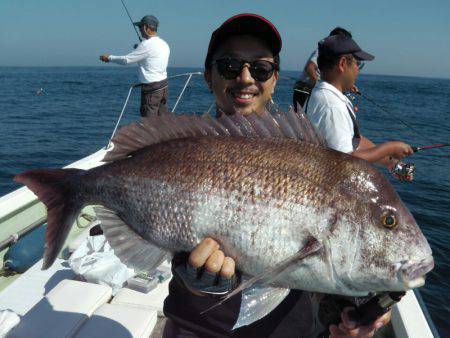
(230, 68)
(360, 64)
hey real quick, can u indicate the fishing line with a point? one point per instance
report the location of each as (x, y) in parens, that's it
(396, 117)
(128, 13)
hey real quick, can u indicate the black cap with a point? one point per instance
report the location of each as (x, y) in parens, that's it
(149, 20)
(245, 24)
(341, 44)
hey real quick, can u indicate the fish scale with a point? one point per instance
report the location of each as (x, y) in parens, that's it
(264, 199)
(276, 182)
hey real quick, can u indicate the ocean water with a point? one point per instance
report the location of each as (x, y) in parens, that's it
(76, 112)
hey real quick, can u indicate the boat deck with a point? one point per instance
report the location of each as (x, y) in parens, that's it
(32, 296)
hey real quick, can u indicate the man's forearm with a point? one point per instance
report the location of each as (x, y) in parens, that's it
(133, 57)
(376, 154)
(367, 144)
(120, 60)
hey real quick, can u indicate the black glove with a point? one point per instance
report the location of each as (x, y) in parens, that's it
(200, 279)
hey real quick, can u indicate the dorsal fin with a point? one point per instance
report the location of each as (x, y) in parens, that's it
(156, 129)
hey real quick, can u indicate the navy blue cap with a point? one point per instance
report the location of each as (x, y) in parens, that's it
(243, 24)
(149, 20)
(342, 44)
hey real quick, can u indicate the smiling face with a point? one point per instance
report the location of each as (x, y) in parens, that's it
(243, 94)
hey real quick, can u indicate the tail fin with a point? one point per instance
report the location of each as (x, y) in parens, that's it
(53, 187)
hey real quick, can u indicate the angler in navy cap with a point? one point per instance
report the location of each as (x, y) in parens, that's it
(152, 57)
(311, 74)
(341, 44)
(332, 113)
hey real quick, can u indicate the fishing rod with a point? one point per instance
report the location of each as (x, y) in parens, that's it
(128, 13)
(375, 307)
(416, 149)
(366, 310)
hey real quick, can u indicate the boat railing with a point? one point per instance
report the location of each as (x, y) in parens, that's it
(189, 75)
(22, 199)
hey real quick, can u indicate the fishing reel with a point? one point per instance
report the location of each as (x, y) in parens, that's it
(405, 170)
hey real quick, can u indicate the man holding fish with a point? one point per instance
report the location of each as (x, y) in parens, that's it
(254, 188)
(241, 70)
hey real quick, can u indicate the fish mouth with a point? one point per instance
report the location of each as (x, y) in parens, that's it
(413, 274)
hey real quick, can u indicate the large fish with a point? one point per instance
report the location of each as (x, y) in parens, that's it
(284, 206)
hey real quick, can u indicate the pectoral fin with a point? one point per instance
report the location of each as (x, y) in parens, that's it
(253, 313)
(129, 246)
(257, 302)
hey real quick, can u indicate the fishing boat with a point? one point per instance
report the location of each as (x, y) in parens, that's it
(56, 303)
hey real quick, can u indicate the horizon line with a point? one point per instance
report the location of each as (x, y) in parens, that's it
(201, 68)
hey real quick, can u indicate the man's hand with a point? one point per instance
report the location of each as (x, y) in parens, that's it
(355, 90)
(397, 151)
(104, 58)
(209, 255)
(400, 149)
(349, 329)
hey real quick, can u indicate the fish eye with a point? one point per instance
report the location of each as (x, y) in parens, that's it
(389, 221)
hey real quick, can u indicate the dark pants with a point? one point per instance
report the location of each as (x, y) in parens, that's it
(154, 98)
(302, 90)
(172, 330)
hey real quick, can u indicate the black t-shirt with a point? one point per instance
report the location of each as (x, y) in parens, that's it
(291, 318)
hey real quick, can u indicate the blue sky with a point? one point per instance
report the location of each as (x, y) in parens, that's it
(407, 37)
